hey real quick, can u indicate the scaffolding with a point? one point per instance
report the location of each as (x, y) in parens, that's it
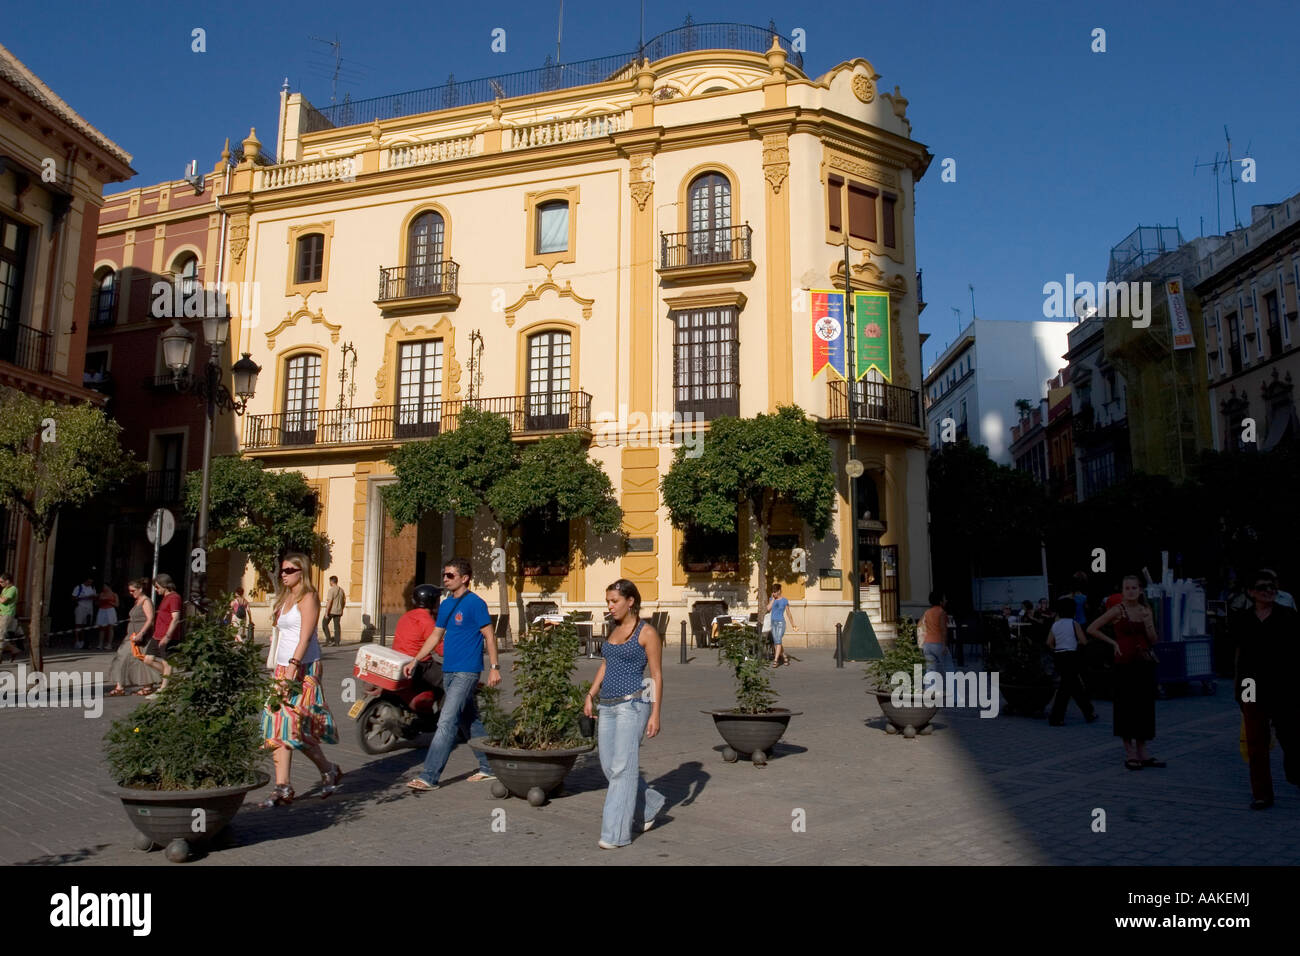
(1139, 249)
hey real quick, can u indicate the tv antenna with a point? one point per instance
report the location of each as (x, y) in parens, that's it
(338, 62)
(1221, 163)
(496, 88)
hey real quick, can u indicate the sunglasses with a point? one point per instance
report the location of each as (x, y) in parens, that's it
(1265, 587)
(448, 574)
(290, 570)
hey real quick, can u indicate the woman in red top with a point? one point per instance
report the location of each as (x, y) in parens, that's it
(1135, 673)
(106, 619)
(167, 620)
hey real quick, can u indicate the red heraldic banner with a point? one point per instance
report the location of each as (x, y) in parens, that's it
(828, 332)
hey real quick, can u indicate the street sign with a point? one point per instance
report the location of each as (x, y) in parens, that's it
(164, 518)
(853, 468)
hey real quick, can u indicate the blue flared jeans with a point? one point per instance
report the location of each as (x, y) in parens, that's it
(459, 717)
(621, 727)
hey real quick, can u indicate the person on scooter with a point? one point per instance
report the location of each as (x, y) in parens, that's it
(413, 628)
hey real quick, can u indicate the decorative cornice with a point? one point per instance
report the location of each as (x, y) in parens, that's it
(533, 295)
(776, 159)
(707, 299)
(317, 318)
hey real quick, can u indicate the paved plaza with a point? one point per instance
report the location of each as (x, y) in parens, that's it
(977, 791)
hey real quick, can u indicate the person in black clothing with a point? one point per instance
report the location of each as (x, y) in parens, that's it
(1267, 639)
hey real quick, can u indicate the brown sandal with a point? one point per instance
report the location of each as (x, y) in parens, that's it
(116, 692)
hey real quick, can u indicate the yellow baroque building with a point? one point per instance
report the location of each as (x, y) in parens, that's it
(625, 257)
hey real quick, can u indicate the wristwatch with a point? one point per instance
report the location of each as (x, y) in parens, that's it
(496, 667)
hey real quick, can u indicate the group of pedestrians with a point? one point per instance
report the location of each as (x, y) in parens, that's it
(141, 658)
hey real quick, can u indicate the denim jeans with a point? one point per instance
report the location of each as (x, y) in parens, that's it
(938, 661)
(621, 726)
(778, 631)
(459, 715)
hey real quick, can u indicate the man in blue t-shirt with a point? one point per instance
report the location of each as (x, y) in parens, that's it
(464, 620)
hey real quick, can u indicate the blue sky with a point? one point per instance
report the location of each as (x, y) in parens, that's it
(1059, 151)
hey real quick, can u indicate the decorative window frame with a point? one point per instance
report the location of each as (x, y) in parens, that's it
(549, 260)
(282, 359)
(684, 193)
(404, 237)
(522, 335)
(876, 177)
(292, 236)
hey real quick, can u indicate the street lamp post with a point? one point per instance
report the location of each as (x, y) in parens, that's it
(178, 349)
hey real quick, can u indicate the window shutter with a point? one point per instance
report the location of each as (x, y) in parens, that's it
(835, 199)
(862, 212)
(888, 204)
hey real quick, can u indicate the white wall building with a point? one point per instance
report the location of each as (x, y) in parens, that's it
(977, 379)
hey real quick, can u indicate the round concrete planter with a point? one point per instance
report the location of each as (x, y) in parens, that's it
(1027, 699)
(751, 735)
(908, 721)
(166, 817)
(521, 771)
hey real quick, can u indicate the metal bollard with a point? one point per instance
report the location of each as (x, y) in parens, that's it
(839, 645)
(683, 642)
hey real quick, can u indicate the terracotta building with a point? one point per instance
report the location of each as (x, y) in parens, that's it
(53, 167)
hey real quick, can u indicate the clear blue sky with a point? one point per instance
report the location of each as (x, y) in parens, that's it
(1060, 151)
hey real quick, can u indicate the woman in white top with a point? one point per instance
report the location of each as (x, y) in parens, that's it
(1065, 638)
(297, 717)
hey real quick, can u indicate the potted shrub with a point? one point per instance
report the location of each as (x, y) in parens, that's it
(1023, 675)
(905, 656)
(184, 762)
(753, 726)
(531, 748)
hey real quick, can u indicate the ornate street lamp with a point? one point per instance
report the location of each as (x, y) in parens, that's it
(178, 350)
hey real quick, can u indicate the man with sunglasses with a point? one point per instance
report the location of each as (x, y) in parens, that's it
(1267, 639)
(464, 620)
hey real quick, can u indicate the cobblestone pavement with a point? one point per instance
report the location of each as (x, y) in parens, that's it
(1004, 790)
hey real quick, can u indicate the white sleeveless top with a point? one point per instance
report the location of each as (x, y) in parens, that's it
(290, 627)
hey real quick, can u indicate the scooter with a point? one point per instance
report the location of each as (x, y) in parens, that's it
(387, 715)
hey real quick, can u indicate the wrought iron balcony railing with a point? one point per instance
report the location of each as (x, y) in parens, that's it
(875, 402)
(538, 412)
(27, 347)
(415, 281)
(698, 247)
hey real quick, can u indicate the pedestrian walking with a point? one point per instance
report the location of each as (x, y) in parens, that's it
(1065, 637)
(128, 668)
(297, 717)
(334, 598)
(8, 615)
(934, 641)
(1267, 639)
(779, 607)
(83, 610)
(166, 628)
(464, 626)
(629, 706)
(1080, 596)
(106, 616)
(240, 618)
(1135, 672)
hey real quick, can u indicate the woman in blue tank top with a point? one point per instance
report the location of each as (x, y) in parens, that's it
(629, 707)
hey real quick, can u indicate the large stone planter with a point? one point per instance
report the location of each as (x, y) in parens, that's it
(168, 818)
(530, 774)
(908, 721)
(1027, 699)
(751, 735)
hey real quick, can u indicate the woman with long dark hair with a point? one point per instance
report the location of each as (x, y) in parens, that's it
(302, 719)
(1135, 672)
(629, 707)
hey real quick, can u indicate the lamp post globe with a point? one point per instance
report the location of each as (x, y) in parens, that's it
(216, 329)
(178, 347)
(244, 372)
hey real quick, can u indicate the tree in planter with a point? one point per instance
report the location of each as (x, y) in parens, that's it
(203, 731)
(259, 513)
(555, 477)
(550, 704)
(54, 457)
(453, 472)
(767, 461)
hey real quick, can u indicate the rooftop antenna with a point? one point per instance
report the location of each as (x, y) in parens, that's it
(559, 35)
(496, 88)
(957, 312)
(1216, 166)
(1231, 177)
(972, 302)
(338, 62)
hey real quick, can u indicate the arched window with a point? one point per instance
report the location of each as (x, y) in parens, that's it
(104, 306)
(550, 361)
(301, 399)
(709, 203)
(424, 265)
(187, 268)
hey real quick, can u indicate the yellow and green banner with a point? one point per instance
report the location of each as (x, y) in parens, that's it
(871, 334)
